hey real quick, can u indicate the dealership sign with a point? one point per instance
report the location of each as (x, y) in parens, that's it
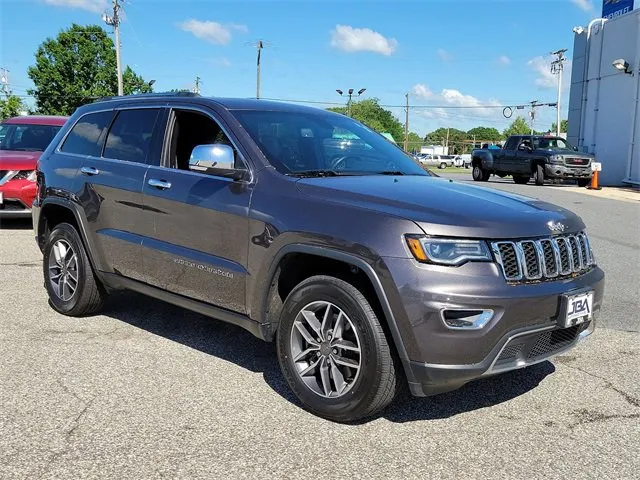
(615, 8)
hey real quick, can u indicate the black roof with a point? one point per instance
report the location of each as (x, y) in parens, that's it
(228, 103)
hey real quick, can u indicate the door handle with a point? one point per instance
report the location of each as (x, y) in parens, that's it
(90, 170)
(160, 184)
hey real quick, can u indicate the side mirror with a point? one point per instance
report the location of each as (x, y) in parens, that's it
(216, 159)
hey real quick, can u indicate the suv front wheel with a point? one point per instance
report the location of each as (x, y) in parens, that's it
(333, 351)
(68, 277)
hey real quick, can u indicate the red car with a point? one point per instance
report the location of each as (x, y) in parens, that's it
(22, 141)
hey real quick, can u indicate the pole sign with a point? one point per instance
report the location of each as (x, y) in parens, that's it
(615, 8)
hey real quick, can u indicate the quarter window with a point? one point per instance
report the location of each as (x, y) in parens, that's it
(130, 136)
(87, 135)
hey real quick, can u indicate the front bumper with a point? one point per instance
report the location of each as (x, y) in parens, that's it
(17, 198)
(524, 329)
(562, 171)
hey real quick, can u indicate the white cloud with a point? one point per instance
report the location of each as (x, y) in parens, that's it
(422, 91)
(95, 6)
(504, 60)
(449, 97)
(212, 32)
(350, 39)
(585, 5)
(546, 79)
(444, 55)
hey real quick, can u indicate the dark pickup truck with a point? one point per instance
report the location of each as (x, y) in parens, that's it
(526, 156)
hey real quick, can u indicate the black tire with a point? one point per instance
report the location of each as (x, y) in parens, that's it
(538, 175)
(584, 182)
(521, 179)
(443, 165)
(375, 385)
(89, 294)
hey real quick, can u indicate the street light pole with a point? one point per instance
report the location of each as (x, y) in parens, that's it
(557, 66)
(350, 94)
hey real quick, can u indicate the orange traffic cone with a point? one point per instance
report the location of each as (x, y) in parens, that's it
(594, 182)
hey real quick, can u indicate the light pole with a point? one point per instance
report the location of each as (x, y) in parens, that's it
(350, 94)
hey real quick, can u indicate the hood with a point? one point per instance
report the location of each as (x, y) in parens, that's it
(445, 207)
(14, 160)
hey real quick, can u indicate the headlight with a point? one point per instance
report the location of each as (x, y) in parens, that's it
(26, 175)
(448, 251)
(556, 159)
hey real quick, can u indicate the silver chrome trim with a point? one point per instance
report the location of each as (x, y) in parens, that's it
(569, 244)
(510, 339)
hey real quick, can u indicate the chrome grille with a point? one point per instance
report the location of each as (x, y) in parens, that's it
(543, 259)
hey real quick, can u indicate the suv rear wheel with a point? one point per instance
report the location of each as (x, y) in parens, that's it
(480, 175)
(333, 351)
(68, 277)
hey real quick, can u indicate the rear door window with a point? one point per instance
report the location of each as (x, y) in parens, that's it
(131, 135)
(87, 135)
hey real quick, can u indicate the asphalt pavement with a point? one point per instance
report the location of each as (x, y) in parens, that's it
(148, 390)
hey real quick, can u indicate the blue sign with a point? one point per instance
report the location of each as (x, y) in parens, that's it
(615, 8)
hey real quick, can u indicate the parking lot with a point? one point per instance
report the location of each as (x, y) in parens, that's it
(148, 390)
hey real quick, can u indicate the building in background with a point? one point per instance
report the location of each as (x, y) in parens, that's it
(604, 102)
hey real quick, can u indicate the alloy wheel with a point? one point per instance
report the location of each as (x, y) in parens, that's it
(325, 348)
(63, 270)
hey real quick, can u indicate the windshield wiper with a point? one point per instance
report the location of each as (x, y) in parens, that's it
(316, 173)
(390, 172)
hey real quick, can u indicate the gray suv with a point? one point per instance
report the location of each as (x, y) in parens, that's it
(309, 229)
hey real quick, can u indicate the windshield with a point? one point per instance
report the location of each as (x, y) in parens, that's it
(26, 138)
(552, 143)
(302, 143)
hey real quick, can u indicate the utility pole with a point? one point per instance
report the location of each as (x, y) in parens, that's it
(4, 80)
(114, 21)
(532, 114)
(260, 46)
(447, 143)
(406, 124)
(557, 66)
(197, 87)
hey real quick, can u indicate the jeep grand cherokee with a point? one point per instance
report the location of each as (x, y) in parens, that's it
(309, 229)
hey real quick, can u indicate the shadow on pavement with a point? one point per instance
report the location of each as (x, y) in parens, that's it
(238, 346)
(15, 224)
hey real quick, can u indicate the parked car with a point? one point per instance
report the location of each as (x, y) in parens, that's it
(540, 157)
(362, 268)
(22, 140)
(436, 161)
(462, 161)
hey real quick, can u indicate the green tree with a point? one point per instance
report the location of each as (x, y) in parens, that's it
(375, 117)
(518, 127)
(77, 67)
(439, 137)
(133, 84)
(11, 106)
(564, 126)
(485, 134)
(415, 141)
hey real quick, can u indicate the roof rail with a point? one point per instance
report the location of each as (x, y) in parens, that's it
(149, 95)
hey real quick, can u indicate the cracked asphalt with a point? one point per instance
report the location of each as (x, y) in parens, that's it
(148, 390)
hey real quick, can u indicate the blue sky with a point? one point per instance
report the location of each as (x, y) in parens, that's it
(450, 53)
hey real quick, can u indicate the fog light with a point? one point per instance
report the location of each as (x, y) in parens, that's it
(466, 319)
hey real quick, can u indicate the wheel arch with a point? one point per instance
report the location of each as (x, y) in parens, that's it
(54, 211)
(272, 302)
